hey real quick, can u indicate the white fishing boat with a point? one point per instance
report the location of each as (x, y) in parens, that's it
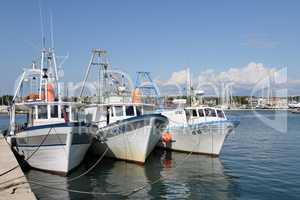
(196, 128)
(122, 124)
(54, 137)
(126, 130)
(199, 129)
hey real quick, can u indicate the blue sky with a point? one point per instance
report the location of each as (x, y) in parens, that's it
(157, 36)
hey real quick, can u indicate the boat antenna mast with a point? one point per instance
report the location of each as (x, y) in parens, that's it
(146, 86)
(48, 72)
(189, 88)
(98, 59)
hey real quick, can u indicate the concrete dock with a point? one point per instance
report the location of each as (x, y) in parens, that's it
(13, 185)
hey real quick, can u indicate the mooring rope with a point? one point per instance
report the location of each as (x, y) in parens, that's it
(17, 166)
(135, 190)
(79, 176)
(127, 194)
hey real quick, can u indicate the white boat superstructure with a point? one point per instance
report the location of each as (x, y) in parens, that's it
(54, 137)
(126, 130)
(197, 129)
(122, 124)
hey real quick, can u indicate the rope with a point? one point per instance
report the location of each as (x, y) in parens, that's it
(73, 191)
(72, 179)
(105, 193)
(101, 193)
(17, 166)
(79, 176)
(122, 194)
(162, 178)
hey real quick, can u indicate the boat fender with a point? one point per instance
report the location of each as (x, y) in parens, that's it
(166, 137)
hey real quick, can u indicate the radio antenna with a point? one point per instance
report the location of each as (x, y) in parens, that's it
(51, 30)
(42, 26)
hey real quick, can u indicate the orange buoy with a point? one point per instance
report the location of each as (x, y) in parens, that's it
(166, 137)
(168, 163)
(136, 96)
(32, 96)
(50, 92)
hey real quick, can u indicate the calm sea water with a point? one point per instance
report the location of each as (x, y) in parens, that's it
(257, 162)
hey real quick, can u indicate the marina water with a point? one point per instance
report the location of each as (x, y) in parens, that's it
(256, 162)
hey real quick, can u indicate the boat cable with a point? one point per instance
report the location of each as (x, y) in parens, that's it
(79, 176)
(162, 177)
(117, 193)
(37, 148)
(74, 178)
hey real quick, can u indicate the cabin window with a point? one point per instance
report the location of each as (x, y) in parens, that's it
(42, 112)
(194, 113)
(138, 110)
(201, 113)
(129, 111)
(210, 112)
(54, 111)
(118, 111)
(220, 114)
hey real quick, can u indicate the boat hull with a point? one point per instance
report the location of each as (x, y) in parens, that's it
(131, 139)
(204, 138)
(55, 148)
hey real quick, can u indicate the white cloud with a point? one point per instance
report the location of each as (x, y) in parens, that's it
(248, 75)
(179, 78)
(241, 79)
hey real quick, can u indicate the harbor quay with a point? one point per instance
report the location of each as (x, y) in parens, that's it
(13, 182)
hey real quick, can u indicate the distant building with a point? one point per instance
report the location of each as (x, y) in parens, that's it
(3, 109)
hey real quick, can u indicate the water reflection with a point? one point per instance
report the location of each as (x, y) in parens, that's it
(195, 176)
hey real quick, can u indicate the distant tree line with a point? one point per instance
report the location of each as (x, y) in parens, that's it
(6, 100)
(242, 100)
(294, 98)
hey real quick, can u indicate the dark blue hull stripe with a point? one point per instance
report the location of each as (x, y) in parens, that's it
(234, 123)
(57, 125)
(48, 145)
(141, 117)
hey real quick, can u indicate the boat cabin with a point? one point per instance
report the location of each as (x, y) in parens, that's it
(204, 114)
(191, 115)
(109, 113)
(43, 113)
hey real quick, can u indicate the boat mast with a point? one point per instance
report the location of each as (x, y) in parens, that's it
(146, 86)
(41, 72)
(99, 58)
(188, 87)
(56, 74)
